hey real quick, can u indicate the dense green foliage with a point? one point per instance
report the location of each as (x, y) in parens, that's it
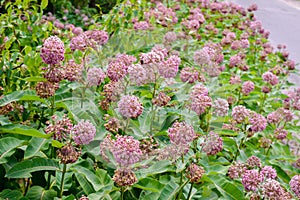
(35, 163)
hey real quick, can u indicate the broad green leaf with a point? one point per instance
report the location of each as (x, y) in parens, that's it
(44, 4)
(8, 146)
(4, 120)
(94, 180)
(34, 146)
(157, 168)
(106, 195)
(149, 184)
(226, 188)
(169, 191)
(26, 95)
(10, 194)
(35, 79)
(57, 144)
(23, 130)
(23, 169)
(84, 183)
(39, 193)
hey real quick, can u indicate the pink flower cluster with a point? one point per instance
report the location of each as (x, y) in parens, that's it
(169, 68)
(83, 133)
(130, 107)
(295, 185)
(240, 113)
(247, 87)
(221, 107)
(90, 38)
(126, 150)
(258, 122)
(200, 100)
(189, 74)
(60, 129)
(95, 76)
(181, 133)
(251, 179)
(162, 14)
(53, 50)
(212, 144)
(269, 77)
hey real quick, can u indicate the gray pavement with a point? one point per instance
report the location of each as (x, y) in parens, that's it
(282, 19)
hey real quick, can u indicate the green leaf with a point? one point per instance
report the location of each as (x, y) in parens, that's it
(23, 169)
(57, 144)
(23, 130)
(158, 168)
(44, 4)
(26, 95)
(94, 180)
(35, 79)
(226, 188)
(84, 183)
(10, 194)
(39, 193)
(8, 146)
(34, 146)
(149, 184)
(169, 191)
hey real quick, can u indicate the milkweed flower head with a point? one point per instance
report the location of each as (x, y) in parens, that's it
(124, 177)
(247, 87)
(60, 129)
(137, 74)
(194, 173)
(236, 170)
(169, 68)
(270, 78)
(253, 162)
(268, 172)
(189, 74)
(126, 150)
(68, 154)
(53, 50)
(221, 107)
(161, 100)
(251, 179)
(117, 70)
(45, 89)
(181, 133)
(130, 107)
(72, 71)
(212, 144)
(295, 185)
(95, 76)
(272, 189)
(240, 113)
(83, 133)
(258, 122)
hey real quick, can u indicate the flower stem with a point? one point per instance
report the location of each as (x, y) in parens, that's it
(190, 192)
(62, 180)
(122, 193)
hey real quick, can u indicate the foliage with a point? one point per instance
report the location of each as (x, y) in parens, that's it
(190, 117)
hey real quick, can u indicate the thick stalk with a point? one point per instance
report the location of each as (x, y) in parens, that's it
(62, 180)
(122, 193)
(190, 192)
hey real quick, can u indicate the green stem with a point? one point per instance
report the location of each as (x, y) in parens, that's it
(262, 103)
(190, 192)
(181, 180)
(122, 193)
(126, 125)
(82, 96)
(62, 180)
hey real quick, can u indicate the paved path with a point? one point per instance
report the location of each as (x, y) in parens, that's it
(282, 19)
